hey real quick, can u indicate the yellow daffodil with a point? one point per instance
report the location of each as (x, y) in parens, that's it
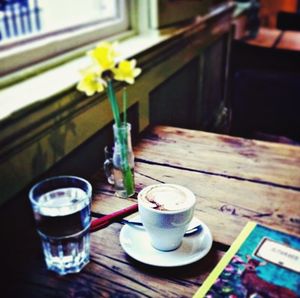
(104, 55)
(126, 71)
(100, 75)
(91, 81)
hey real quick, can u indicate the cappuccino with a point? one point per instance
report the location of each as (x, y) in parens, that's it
(167, 197)
(166, 211)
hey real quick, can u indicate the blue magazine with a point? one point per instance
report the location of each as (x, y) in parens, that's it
(262, 262)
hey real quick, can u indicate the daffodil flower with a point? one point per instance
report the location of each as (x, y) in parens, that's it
(91, 81)
(104, 55)
(100, 75)
(126, 71)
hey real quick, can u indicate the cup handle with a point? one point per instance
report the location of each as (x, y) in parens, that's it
(108, 167)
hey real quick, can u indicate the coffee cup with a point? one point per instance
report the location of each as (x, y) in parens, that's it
(166, 211)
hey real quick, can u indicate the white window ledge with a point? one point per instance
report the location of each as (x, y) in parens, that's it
(54, 81)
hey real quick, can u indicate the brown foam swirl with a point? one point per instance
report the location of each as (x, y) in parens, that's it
(166, 198)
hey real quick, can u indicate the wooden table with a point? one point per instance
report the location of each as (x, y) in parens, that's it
(266, 37)
(277, 39)
(235, 180)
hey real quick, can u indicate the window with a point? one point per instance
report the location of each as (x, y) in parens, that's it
(34, 30)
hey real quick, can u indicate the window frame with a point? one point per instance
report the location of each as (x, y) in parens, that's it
(36, 50)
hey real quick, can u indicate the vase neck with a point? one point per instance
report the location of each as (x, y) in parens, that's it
(122, 136)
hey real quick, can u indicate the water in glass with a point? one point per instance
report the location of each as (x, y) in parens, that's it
(63, 218)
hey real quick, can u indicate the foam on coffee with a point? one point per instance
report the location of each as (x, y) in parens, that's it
(166, 197)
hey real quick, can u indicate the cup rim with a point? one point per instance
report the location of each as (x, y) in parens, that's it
(36, 185)
(192, 198)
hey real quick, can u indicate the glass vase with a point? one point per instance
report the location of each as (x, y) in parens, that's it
(120, 168)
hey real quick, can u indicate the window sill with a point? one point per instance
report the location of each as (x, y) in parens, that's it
(51, 83)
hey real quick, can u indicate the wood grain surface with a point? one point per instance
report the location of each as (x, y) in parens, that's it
(235, 180)
(290, 41)
(278, 39)
(222, 155)
(266, 37)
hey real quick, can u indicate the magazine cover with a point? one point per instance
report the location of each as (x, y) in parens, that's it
(262, 262)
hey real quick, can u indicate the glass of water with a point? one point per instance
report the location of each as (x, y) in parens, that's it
(61, 207)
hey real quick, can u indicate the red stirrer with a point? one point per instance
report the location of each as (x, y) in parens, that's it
(106, 220)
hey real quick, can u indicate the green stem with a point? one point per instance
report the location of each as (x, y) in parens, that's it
(114, 104)
(124, 97)
(127, 174)
(124, 105)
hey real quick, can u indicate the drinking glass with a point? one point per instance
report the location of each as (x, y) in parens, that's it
(61, 207)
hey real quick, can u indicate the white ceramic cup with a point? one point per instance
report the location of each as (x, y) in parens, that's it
(166, 227)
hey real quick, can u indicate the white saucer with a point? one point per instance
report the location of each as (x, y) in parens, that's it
(136, 243)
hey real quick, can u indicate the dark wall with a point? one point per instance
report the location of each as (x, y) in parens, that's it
(265, 92)
(195, 96)
(173, 102)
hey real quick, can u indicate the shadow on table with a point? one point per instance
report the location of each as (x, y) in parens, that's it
(200, 269)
